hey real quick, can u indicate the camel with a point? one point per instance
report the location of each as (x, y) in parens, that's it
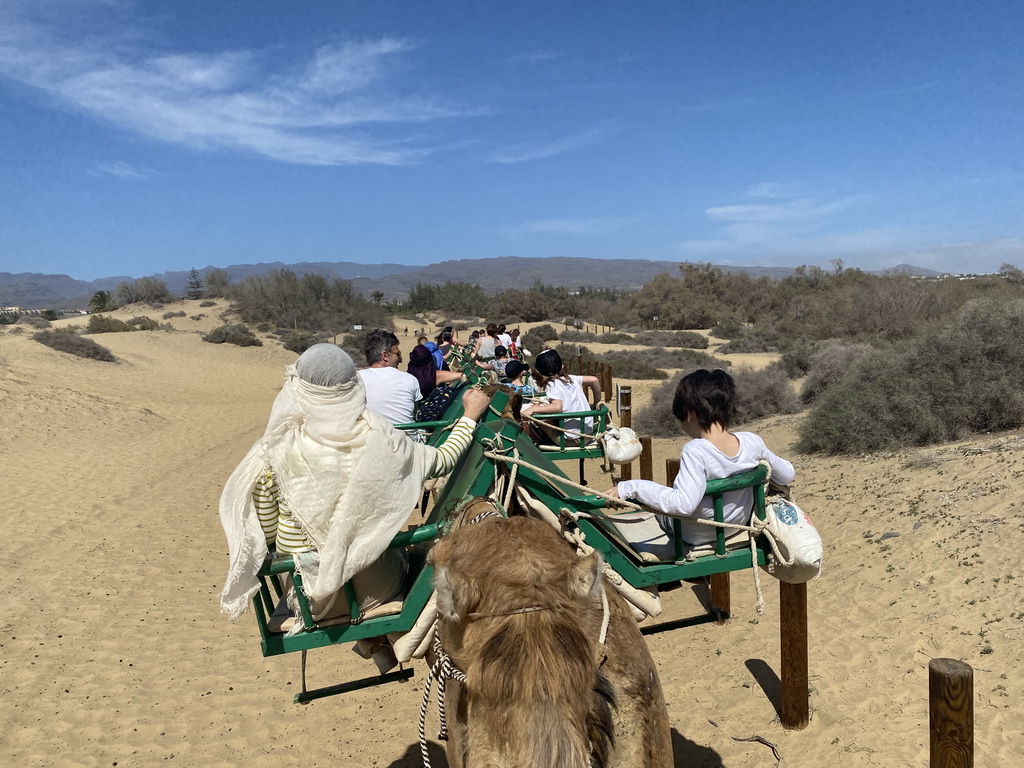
(521, 615)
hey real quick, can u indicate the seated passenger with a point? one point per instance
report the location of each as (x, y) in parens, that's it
(705, 404)
(565, 393)
(391, 393)
(501, 359)
(332, 477)
(486, 341)
(423, 366)
(515, 373)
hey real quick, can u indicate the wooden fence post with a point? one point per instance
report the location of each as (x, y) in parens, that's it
(793, 638)
(626, 420)
(646, 459)
(951, 713)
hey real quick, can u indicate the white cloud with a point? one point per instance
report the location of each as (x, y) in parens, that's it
(121, 170)
(330, 111)
(540, 150)
(596, 226)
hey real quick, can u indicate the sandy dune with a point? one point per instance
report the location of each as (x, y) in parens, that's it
(114, 653)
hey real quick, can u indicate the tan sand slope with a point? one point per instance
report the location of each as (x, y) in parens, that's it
(112, 649)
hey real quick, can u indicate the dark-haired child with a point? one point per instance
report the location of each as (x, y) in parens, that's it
(705, 403)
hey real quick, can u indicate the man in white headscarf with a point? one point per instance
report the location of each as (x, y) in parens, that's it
(329, 476)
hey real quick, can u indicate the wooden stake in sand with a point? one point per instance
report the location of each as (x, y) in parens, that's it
(951, 713)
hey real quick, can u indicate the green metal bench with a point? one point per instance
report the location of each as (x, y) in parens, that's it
(587, 446)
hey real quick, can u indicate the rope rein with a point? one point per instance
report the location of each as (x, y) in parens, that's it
(443, 670)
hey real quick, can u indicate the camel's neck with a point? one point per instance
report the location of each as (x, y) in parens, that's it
(534, 691)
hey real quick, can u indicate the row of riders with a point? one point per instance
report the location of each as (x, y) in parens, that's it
(332, 482)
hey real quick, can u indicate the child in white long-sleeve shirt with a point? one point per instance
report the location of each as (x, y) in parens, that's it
(705, 403)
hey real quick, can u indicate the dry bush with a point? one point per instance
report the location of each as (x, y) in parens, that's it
(207, 303)
(75, 345)
(829, 366)
(613, 337)
(953, 380)
(144, 323)
(104, 324)
(300, 342)
(34, 321)
(576, 336)
(763, 393)
(169, 315)
(687, 339)
(238, 335)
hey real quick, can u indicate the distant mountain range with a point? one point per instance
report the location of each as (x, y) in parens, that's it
(33, 290)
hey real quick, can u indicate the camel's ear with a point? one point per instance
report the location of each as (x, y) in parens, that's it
(585, 576)
(456, 596)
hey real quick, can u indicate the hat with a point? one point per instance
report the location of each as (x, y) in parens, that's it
(548, 363)
(500, 351)
(513, 369)
(419, 355)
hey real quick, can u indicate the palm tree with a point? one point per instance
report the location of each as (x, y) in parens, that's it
(101, 301)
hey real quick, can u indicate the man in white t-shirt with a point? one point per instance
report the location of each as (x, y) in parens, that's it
(390, 393)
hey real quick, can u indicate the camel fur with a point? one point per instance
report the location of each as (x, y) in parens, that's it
(540, 690)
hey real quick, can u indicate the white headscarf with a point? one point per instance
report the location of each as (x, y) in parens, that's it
(349, 477)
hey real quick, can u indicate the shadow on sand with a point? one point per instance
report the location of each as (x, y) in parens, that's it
(413, 759)
(686, 754)
(768, 680)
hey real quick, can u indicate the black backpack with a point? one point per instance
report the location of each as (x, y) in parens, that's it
(433, 406)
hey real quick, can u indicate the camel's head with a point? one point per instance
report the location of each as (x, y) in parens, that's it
(504, 564)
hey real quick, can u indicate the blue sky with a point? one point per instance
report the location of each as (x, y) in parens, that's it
(139, 137)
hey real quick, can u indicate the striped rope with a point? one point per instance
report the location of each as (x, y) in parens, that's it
(442, 670)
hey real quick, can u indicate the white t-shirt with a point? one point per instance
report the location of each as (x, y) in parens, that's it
(391, 393)
(699, 462)
(573, 399)
(505, 340)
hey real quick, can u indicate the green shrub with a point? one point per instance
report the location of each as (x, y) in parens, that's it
(752, 341)
(207, 303)
(104, 324)
(687, 339)
(797, 355)
(197, 317)
(763, 393)
(238, 334)
(828, 367)
(75, 345)
(728, 329)
(169, 315)
(613, 337)
(144, 323)
(545, 332)
(50, 314)
(577, 336)
(953, 380)
(300, 342)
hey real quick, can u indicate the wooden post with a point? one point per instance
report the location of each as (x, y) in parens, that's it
(626, 420)
(646, 459)
(951, 713)
(590, 367)
(609, 386)
(793, 635)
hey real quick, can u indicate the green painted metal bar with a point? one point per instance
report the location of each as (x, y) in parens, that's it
(366, 682)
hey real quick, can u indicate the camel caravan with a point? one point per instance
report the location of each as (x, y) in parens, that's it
(521, 589)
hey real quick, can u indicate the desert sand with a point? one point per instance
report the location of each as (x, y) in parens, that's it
(114, 652)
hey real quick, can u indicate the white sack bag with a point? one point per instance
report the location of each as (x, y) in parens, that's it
(798, 541)
(621, 445)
